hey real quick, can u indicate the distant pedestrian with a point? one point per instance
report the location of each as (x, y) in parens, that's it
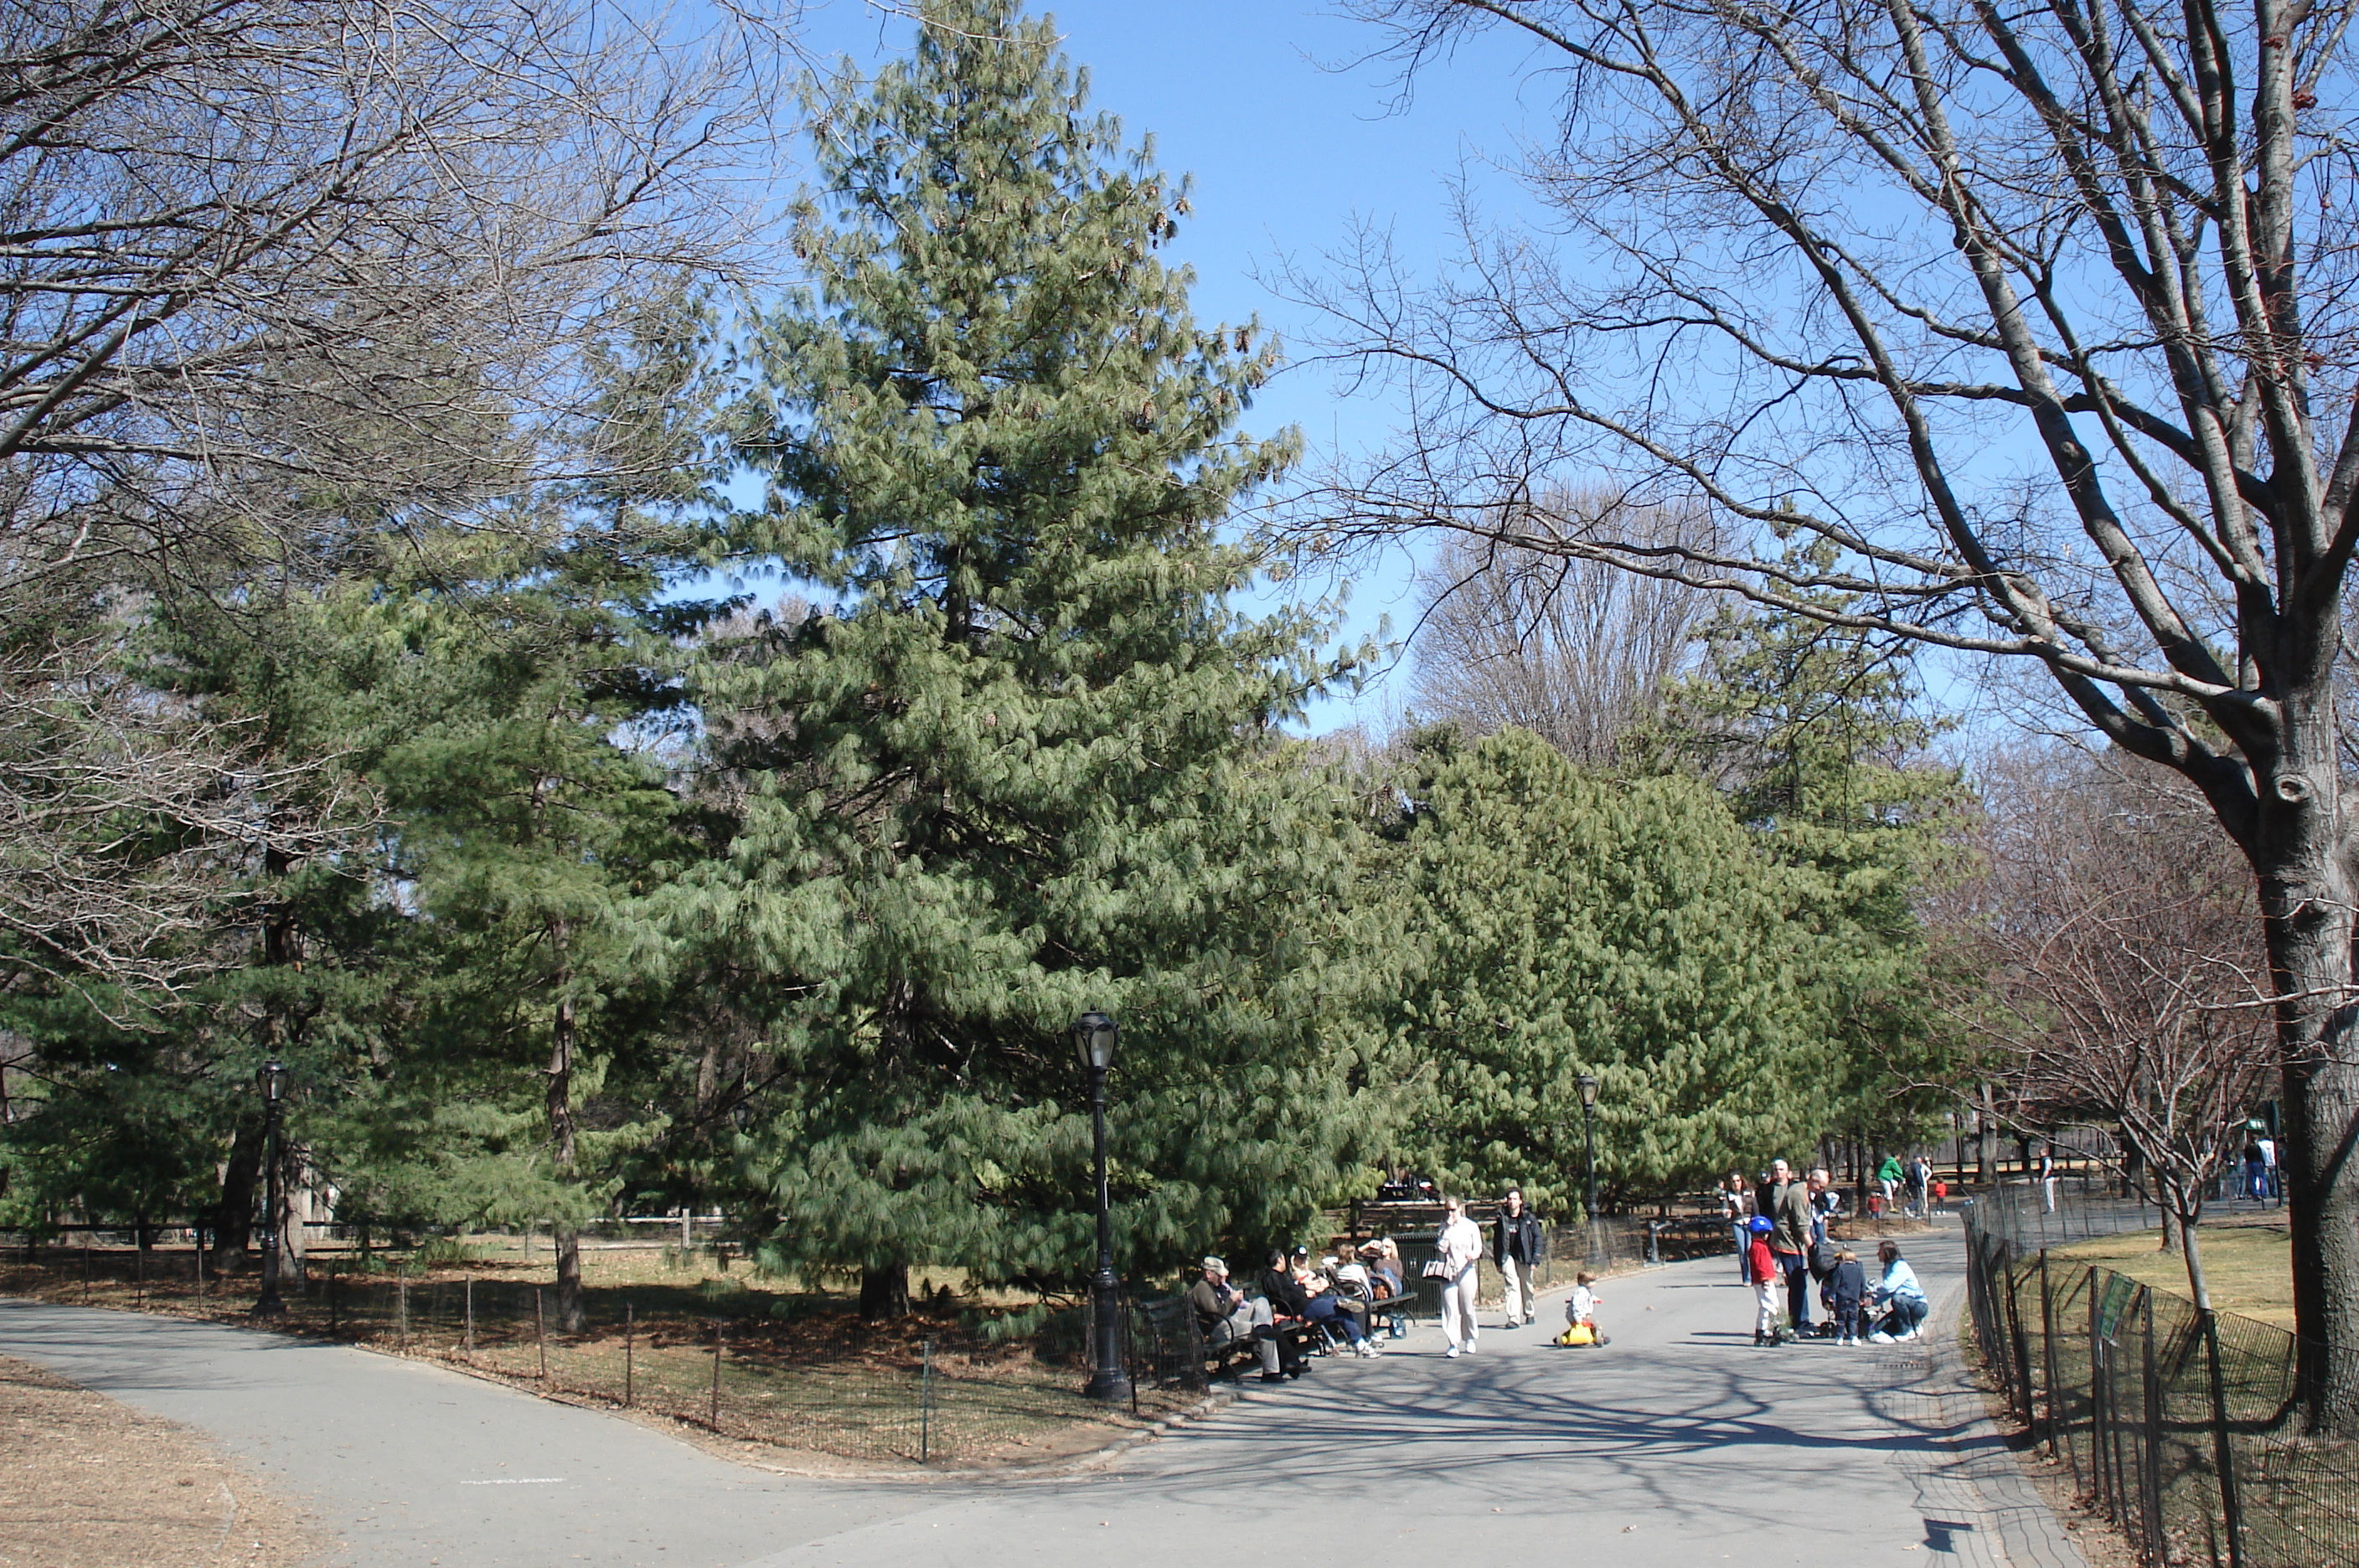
(1887, 1180)
(2048, 1178)
(1516, 1247)
(1736, 1208)
(1920, 1185)
(2273, 1183)
(1766, 1278)
(1457, 1246)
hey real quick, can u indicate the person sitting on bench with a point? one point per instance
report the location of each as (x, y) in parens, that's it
(1323, 1308)
(1226, 1317)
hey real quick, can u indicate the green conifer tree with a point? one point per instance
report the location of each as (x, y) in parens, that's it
(1571, 923)
(1022, 766)
(1818, 734)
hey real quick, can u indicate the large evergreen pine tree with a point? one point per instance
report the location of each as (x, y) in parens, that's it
(1021, 764)
(1568, 921)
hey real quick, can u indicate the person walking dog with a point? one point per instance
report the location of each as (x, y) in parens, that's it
(1516, 1242)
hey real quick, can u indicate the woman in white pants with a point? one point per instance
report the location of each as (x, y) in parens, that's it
(1457, 1245)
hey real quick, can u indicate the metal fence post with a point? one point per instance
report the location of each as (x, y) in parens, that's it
(2223, 1456)
(540, 1331)
(471, 1315)
(335, 1301)
(926, 1402)
(2150, 1441)
(402, 1313)
(2099, 1472)
(630, 1358)
(2020, 1342)
(2047, 1347)
(716, 1374)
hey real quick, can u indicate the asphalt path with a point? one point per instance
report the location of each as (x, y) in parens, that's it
(1679, 1444)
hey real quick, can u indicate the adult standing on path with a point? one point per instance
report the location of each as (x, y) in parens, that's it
(1516, 1247)
(1456, 1246)
(1787, 1203)
(1736, 1208)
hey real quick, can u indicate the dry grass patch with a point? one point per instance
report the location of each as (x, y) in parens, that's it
(91, 1483)
(2247, 1262)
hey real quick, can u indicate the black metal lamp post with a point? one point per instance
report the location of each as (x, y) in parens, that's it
(1588, 1082)
(272, 1080)
(1094, 1035)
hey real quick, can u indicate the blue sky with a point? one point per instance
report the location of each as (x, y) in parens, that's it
(1289, 145)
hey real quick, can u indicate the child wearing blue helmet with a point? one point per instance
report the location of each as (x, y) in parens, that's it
(1766, 1279)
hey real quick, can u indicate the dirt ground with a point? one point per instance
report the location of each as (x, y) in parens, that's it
(90, 1483)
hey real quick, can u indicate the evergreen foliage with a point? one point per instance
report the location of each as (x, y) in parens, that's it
(1024, 765)
(1571, 922)
(1817, 734)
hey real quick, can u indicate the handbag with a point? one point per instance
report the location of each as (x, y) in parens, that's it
(1435, 1269)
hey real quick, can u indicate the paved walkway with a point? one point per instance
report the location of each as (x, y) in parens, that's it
(1681, 1443)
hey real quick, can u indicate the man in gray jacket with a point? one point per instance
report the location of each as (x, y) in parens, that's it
(1786, 1202)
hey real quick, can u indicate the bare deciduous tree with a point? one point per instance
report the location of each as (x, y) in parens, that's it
(2043, 317)
(277, 282)
(2126, 984)
(1572, 650)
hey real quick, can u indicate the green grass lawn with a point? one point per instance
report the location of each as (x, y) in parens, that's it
(2247, 1264)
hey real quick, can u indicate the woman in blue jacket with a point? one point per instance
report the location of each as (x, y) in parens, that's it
(1901, 1297)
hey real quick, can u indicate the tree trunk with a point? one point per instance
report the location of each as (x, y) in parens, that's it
(2190, 1216)
(2309, 932)
(293, 1159)
(562, 1233)
(885, 1293)
(1986, 1143)
(232, 1226)
(2296, 846)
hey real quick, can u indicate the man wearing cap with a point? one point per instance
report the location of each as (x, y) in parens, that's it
(1226, 1316)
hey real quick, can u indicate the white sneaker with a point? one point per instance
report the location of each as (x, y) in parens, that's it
(1879, 1337)
(1368, 1350)
(1470, 1347)
(1450, 1353)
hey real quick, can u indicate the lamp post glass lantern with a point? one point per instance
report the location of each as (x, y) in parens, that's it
(272, 1080)
(1588, 1082)
(1093, 1036)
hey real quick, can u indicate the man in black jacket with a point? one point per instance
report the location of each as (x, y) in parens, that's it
(1515, 1243)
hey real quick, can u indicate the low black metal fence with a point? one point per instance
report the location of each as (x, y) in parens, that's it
(2182, 1426)
(724, 1359)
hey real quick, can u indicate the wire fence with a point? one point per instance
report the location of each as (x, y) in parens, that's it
(921, 1391)
(2180, 1425)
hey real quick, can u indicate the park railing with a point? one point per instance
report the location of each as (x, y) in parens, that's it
(2180, 1425)
(921, 1391)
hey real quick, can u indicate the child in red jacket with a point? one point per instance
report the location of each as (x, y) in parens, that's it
(1766, 1279)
